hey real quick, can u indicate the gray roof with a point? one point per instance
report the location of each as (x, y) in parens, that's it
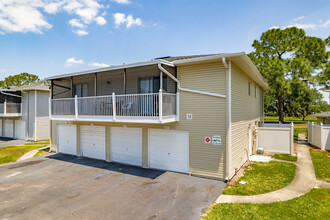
(321, 114)
(40, 85)
(175, 58)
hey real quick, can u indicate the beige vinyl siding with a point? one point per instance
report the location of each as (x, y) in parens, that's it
(246, 110)
(31, 115)
(209, 118)
(42, 119)
(116, 79)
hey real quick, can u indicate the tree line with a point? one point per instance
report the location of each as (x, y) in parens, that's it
(292, 64)
(18, 80)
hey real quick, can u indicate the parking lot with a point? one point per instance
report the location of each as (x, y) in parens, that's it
(60, 186)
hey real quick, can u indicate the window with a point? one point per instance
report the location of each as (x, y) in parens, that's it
(81, 90)
(249, 88)
(151, 84)
(255, 91)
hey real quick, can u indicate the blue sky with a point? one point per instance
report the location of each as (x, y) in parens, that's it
(49, 37)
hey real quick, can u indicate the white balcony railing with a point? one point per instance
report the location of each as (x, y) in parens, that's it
(10, 109)
(141, 108)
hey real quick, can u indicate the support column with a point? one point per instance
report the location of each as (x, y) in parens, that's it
(125, 81)
(72, 91)
(107, 144)
(95, 84)
(145, 158)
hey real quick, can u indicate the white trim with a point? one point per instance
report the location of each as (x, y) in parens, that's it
(124, 66)
(35, 114)
(229, 120)
(188, 90)
(120, 119)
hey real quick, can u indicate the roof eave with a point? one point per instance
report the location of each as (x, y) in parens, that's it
(123, 66)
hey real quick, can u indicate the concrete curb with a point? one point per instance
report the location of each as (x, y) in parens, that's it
(302, 184)
(31, 153)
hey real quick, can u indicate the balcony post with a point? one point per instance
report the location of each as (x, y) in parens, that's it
(76, 106)
(5, 107)
(49, 107)
(177, 106)
(114, 106)
(160, 106)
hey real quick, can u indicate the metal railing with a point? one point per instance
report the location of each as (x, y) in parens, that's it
(64, 106)
(10, 108)
(133, 105)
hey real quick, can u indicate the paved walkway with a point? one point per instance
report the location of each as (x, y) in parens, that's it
(322, 184)
(31, 153)
(303, 183)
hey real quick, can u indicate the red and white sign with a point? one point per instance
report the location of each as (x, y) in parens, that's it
(207, 140)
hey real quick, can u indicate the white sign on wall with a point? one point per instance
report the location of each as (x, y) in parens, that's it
(216, 140)
(189, 116)
(207, 140)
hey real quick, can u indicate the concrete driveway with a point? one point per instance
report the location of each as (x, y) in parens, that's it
(66, 187)
(5, 142)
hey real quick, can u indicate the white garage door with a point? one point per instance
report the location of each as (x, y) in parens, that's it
(126, 145)
(92, 141)
(9, 128)
(20, 129)
(67, 139)
(169, 150)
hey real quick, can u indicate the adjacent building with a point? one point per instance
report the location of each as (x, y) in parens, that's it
(24, 112)
(189, 114)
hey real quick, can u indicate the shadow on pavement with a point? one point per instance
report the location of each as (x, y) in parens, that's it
(121, 168)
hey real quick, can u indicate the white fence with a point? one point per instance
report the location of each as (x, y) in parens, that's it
(276, 138)
(319, 135)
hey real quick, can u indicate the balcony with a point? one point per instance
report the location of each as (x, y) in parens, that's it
(10, 109)
(133, 108)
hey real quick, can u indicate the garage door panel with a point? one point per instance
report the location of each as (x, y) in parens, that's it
(20, 128)
(67, 139)
(169, 150)
(92, 141)
(126, 145)
(9, 128)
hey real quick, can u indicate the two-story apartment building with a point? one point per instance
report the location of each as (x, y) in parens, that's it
(24, 112)
(192, 114)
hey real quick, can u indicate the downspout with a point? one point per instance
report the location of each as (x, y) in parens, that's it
(228, 124)
(185, 89)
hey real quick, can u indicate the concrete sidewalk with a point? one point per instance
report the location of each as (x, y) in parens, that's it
(31, 153)
(303, 183)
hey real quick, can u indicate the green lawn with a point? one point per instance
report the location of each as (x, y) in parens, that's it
(13, 153)
(262, 178)
(42, 152)
(38, 143)
(313, 205)
(321, 162)
(287, 157)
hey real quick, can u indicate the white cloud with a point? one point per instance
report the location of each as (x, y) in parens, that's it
(100, 20)
(273, 27)
(80, 32)
(96, 64)
(122, 1)
(3, 70)
(120, 18)
(22, 16)
(72, 60)
(29, 15)
(326, 23)
(299, 18)
(302, 26)
(76, 23)
(131, 21)
(306, 26)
